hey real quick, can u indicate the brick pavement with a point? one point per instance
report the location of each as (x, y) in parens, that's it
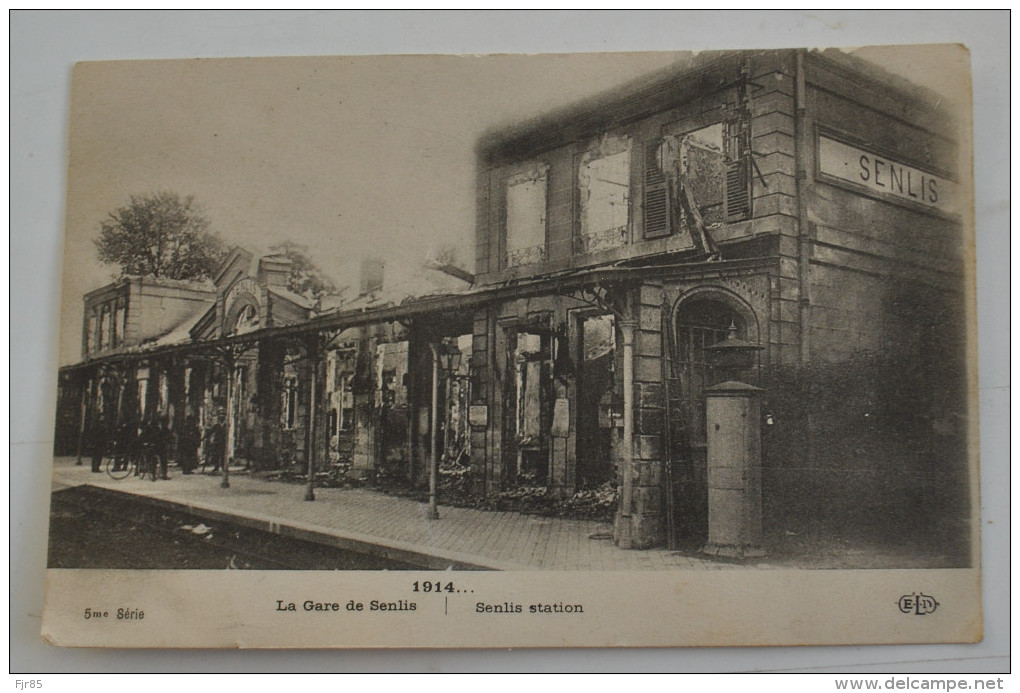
(369, 521)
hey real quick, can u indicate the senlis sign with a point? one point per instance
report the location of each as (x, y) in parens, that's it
(884, 176)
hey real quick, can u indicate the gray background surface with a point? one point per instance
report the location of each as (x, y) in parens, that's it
(45, 45)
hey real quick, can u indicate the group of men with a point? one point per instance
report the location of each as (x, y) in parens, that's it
(154, 437)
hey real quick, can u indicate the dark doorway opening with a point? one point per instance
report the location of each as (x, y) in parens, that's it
(595, 401)
(529, 366)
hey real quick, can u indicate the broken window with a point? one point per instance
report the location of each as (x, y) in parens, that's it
(525, 217)
(347, 402)
(706, 171)
(457, 433)
(104, 327)
(391, 392)
(532, 368)
(696, 179)
(604, 181)
(391, 367)
(340, 381)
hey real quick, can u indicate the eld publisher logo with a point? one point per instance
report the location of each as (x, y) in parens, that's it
(918, 604)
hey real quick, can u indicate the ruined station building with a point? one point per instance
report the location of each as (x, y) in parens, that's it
(800, 202)
(731, 294)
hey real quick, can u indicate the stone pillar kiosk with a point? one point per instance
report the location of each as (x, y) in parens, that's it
(733, 419)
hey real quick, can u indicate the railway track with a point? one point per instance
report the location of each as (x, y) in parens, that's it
(93, 529)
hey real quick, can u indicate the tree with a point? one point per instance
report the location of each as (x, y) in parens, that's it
(160, 235)
(306, 279)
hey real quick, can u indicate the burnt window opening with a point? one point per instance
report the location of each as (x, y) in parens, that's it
(392, 414)
(104, 327)
(392, 375)
(457, 393)
(388, 387)
(530, 365)
(346, 422)
(341, 383)
(697, 179)
(119, 323)
(604, 189)
(526, 217)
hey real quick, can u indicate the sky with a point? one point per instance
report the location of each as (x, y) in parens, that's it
(351, 156)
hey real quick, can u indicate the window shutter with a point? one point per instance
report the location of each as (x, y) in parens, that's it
(738, 171)
(656, 207)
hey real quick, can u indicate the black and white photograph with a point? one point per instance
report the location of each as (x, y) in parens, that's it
(453, 337)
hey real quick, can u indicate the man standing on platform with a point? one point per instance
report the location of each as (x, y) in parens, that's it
(187, 445)
(216, 441)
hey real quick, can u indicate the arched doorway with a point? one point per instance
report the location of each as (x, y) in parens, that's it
(701, 318)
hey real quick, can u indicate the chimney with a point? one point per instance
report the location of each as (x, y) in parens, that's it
(274, 270)
(371, 276)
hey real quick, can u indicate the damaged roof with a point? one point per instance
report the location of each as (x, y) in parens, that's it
(399, 288)
(703, 72)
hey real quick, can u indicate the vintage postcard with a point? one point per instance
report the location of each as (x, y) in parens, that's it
(632, 349)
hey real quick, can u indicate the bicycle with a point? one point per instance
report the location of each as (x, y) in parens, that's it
(119, 465)
(122, 461)
(148, 464)
(143, 464)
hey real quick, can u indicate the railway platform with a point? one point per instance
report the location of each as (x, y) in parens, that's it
(368, 521)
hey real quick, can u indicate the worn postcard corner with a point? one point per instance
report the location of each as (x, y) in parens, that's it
(644, 349)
